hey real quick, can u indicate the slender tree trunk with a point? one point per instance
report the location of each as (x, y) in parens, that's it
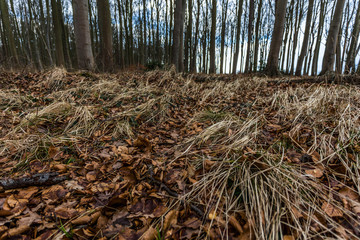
(299, 14)
(257, 33)
(84, 52)
(213, 37)
(338, 68)
(188, 36)
(350, 61)
(276, 40)
(315, 61)
(59, 49)
(106, 41)
(223, 32)
(65, 36)
(237, 38)
(181, 48)
(250, 36)
(177, 35)
(329, 55)
(8, 30)
(304, 47)
(194, 53)
(144, 32)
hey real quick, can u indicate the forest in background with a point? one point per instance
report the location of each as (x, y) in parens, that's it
(229, 36)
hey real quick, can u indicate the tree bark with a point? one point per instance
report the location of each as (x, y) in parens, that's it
(106, 42)
(223, 32)
(213, 37)
(188, 37)
(59, 49)
(277, 37)
(8, 30)
(194, 53)
(304, 47)
(330, 49)
(84, 52)
(177, 35)
(350, 61)
(257, 33)
(250, 37)
(237, 38)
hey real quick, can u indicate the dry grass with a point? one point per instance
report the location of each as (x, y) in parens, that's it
(10, 99)
(248, 177)
(241, 173)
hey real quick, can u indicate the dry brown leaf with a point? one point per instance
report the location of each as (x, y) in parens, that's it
(150, 234)
(331, 210)
(170, 219)
(81, 220)
(15, 231)
(27, 193)
(5, 213)
(234, 222)
(317, 173)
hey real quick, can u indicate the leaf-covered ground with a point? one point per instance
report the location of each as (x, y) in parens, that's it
(159, 155)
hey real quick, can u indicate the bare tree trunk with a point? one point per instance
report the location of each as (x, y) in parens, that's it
(8, 30)
(329, 55)
(106, 42)
(237, 38)
(213, 37)
(338, 68)
(144, 32)
(188, 37)
(257, 33)
(181, 48)
(177, 35)
(322, 14)
(299, 14)
(304, 47)
(277, 36)
(59, 52)
(223, 31)
(250, 36)
(194, 53)
(84, 52)
(350, 61)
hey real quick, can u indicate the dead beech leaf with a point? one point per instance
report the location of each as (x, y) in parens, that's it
(170, 219)
(193, 223)
(234, 222)
(60, 168)
(54, 152)
(296, 212)
(5, 213)
(81, 220)
(30, 219)
(73, 185)
(150, 234)
(331, 210)
(349, 193)
(143, 143)
(274, 127)
(65, 213)
(54, 193)
(27, 193)
(15, 231)
(91, 176)
(317, 173)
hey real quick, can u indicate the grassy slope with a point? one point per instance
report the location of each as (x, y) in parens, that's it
(234, 158)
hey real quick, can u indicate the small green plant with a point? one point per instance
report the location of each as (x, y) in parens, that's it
(68, 234)
(159, 234)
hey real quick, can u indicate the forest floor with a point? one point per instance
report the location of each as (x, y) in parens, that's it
(159, 155)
